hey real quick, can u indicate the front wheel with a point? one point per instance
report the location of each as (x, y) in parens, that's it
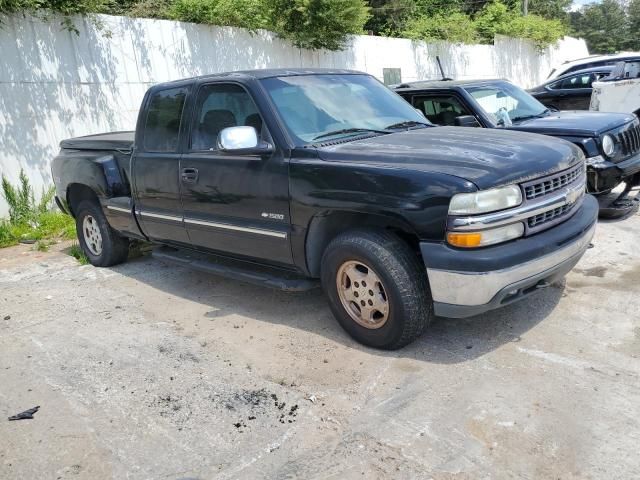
(101, 244)
(377, 288)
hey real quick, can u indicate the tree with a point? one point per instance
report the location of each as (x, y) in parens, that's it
(604, 26)
(633, 42)
(249, 14)
(551, 9)
(316, 24)
(389, 17)
(455, 27)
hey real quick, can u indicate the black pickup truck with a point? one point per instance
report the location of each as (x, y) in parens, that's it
(610, 141)
(283, 177)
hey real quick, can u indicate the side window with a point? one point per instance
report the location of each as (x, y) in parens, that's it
(556, 85)
(441, 110)
(221, 106)
(162, 125)
(577, 81)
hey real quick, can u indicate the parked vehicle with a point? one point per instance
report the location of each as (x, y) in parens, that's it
(604, 138)
(282, 177)
(571, 91)
(620, 91)
(591, 62)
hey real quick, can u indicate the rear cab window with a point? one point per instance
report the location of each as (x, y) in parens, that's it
(162, 124)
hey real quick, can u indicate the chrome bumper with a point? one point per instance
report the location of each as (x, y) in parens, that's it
(462, 294)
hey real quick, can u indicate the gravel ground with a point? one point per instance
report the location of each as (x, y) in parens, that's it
(148, 371)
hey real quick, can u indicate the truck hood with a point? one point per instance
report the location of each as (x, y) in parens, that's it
(486, 157)
(574, 123)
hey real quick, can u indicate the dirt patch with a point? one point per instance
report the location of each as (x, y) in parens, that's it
(593, 272)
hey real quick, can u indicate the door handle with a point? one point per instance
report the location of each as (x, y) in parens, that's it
(189, 175)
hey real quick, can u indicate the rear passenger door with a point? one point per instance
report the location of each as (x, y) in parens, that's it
(234, 203)
(155, 167)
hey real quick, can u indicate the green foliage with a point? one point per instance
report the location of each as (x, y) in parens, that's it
(551, 9)
(250, 14)
(633, 12)
(49, 225)
(76, 252)
(495, 18)
(19, 198)
(30, 219)
(141, 8)
(455, 27)
(316, 24)
(389, 17)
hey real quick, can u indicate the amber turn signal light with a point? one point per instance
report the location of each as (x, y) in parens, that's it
(464, 240)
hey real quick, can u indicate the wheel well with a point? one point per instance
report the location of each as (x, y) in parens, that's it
(77, 192)
(325, 227)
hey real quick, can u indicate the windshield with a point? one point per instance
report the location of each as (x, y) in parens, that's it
(505, 103)
(326, 107)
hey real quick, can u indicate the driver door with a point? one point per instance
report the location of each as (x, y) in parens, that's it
(233, 202)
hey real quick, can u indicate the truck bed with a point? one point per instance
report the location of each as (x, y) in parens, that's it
(101, 141)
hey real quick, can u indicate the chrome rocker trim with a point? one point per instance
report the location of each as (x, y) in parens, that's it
(222, 226)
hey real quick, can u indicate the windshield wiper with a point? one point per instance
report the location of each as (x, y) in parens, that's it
(407, 124)
(544, 113)
(348, 130)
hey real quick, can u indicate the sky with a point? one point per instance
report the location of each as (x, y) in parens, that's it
(578, 3)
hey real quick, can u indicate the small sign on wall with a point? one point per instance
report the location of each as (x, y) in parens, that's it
(392, 76)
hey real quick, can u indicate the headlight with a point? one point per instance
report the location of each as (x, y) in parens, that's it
(608, 145)
(485, 201)
(485, 237)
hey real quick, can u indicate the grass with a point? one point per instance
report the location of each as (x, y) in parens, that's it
(76, 252)
(44, 226)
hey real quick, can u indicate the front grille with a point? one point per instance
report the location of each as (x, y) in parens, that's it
(629, 139)
(549, 184)
(549, 216)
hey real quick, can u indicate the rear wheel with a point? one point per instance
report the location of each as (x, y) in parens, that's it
(377, 288)
(101, 244)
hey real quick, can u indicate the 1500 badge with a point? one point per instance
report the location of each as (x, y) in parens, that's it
(273, 216)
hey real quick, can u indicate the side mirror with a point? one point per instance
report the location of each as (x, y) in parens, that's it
(242, 141)
(466, 121)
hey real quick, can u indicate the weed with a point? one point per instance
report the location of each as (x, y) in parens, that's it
(76, 252)
(43, 245)
(30, 219)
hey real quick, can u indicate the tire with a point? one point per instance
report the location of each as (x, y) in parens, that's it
(403, 284)
(101, 244)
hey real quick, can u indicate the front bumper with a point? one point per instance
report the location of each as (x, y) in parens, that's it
(604, 175)
(468, 282)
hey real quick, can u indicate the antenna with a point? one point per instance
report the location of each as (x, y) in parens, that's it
(444, 77)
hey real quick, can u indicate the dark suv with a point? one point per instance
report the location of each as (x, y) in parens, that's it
(610, 141)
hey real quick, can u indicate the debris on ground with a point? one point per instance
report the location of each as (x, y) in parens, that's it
(26, 415)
